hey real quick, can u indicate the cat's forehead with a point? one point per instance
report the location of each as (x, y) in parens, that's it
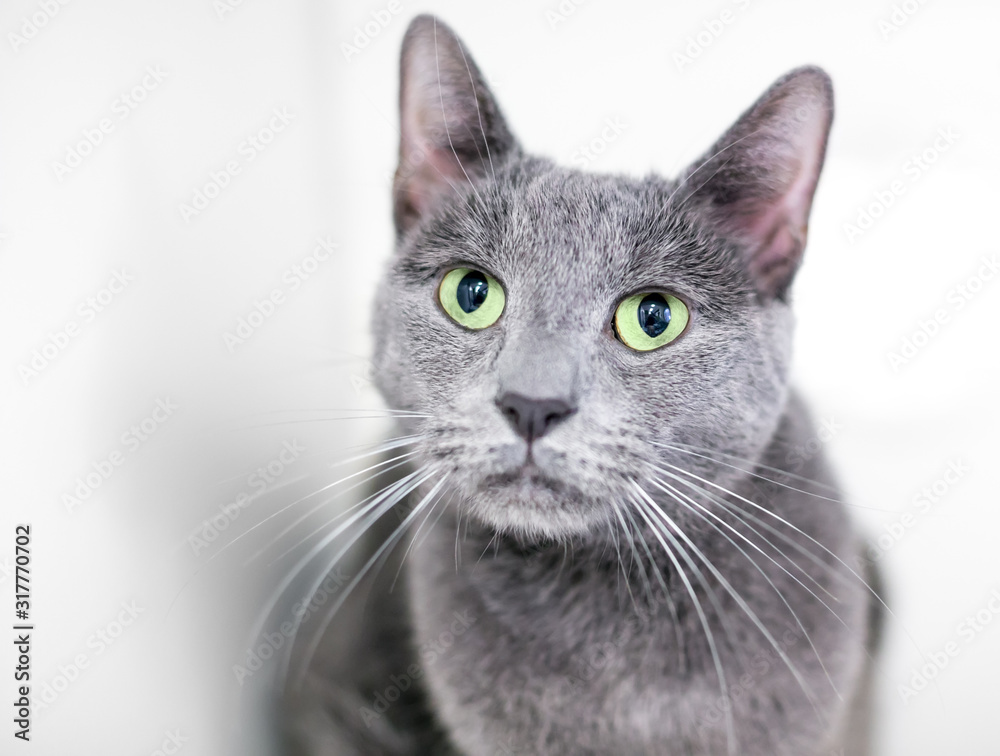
(549, 229)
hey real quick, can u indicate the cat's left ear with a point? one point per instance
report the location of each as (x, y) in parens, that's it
(757, 182)
(451, 129)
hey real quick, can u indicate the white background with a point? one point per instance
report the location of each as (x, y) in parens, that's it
(891, 431)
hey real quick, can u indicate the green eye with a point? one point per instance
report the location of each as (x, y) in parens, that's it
(648, 321)
(471, 298)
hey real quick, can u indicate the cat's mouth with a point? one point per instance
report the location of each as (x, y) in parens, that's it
(525, 480)
(540, 488)
(527, 500)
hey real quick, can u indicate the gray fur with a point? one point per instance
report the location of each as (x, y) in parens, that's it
(575, 647)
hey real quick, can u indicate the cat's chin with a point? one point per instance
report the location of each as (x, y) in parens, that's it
(531, 504)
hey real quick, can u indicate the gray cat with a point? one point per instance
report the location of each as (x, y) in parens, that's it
(606, 552)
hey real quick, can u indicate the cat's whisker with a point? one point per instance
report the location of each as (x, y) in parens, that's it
(387, 544)
(227, 546)
(373, 449)
(388, 445)
(479, 115)
(630, 539)
(365, 504)
(671, 607)
(617, 535)
(387, 466)
(659, 534)
(371, 512)
(416, 535)
(649, 555)
(837, 558)
(747, 517)
(736, 596)
(784, 522)
(756, 464)
(458, 531)
(187, 541)
(327, 415)
(310, 420)
(704, 514)
(566, 546)
(379, 448)
(389, 411)
(652, 506)
(378, 509)
(611, 529)
(444, 120)
(707, 454)
(491, 542)
(769, 480)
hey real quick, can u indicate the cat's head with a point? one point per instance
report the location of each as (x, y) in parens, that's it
(557, 328)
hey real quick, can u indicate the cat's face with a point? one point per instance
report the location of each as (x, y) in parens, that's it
(545, 418)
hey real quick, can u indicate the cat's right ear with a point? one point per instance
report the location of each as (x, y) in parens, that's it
(757, 182)
(451, 129)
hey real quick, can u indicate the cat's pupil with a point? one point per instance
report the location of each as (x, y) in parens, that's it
(654, 315)
(472, 291)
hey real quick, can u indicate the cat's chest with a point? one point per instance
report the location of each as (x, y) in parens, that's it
(547, 674)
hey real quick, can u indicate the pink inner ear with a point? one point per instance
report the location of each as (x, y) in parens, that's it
(451, 128)
(776, 228)
(777, 232)
(429, 122)
(428, 169)
(429, 172)
(778, 241)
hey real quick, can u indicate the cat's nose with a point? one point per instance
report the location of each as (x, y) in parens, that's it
(533, 418)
